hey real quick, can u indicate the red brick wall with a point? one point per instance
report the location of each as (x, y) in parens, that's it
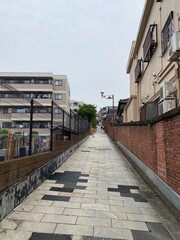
(12, 171)
(156, 145)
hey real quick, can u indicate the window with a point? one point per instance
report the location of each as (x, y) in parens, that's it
(6, 124)
(6, 95)
(57, 110)
(138, 70)
(22, 110)
(28, 81)
(167, 32)
(8, 110)
(26, 95)
(58, 82)
(58, 96)
(43, 81)
(150, 43)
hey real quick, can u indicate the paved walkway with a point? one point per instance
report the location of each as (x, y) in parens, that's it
(94, 195)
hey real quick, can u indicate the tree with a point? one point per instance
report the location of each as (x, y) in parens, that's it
(88, 112)
(3, 134)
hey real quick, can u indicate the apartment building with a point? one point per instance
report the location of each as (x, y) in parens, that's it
(18, 89)
(154, 62)
(106, 114)
(75, 105)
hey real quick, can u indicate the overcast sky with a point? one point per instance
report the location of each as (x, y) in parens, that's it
(87, 40)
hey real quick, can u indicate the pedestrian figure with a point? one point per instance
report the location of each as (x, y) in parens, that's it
(92, 131)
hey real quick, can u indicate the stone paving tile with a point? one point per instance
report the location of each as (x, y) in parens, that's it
(35, 196)
(143, 218)
(79, 212)
(24, 208)
(109, 202)
(37, 202)
(148, 211)
(89, 221)
(66, 204)
(97, 207)
(49, 236)
(100, 196)
(112, 233)
(131, 225)
(49, 181)
(114, 194)
(84, 184)
(54, 193)
(54, 218)
(56, 198)
(26, 216)
(82, 200)
(44, 187)
(14, 234)
(125, 209)
(44, 209)
(104, 189)
(40, 191)
(84, 177)
(87, 184)
(34, 227)
(79, 195)
(47, 186)
(136, 204)
(85, 191)
(67, 194)
(74, 229)
(9, 223)
(134, 191)
(111, 215)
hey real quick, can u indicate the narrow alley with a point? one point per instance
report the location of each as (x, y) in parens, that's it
(95, 195)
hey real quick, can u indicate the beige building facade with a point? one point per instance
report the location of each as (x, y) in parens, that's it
(75, 105)
(154, 62)
(18, 89)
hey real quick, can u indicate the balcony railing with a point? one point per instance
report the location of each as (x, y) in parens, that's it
(138, 71)
(150, 43)
(26, 116)
(29, 87)
(24, 102)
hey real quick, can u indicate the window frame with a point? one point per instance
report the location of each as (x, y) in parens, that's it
(58, 98)
(167, 32)
(58, 111)
(58, 82)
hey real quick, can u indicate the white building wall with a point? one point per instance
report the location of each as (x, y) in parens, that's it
(158, 69)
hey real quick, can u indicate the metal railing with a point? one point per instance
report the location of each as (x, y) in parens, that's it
(37, 126)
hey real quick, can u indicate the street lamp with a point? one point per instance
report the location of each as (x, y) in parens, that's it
(110, 97)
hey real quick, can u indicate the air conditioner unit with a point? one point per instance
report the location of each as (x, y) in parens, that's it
(174, 47)
(165, 90)
(166, 105)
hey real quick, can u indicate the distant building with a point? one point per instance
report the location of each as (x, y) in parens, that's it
(106, 114)
(153, 64)
(102, 115)
(120, 109)
(75, 105)
(16, 91)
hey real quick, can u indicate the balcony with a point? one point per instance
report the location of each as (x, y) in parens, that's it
(26, 117)
(138, 71)
(150, 43)
(24, 102)
(29, 87)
